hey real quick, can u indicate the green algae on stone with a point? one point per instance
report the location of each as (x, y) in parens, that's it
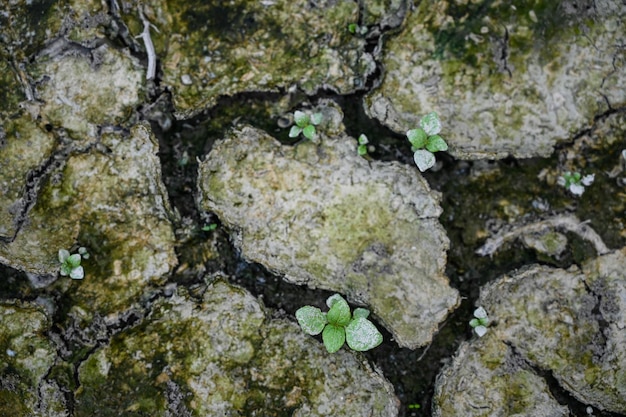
(486, 379)
(23, 150)
(325, 217)
(477, 64)
(223, 356)
(208, 50)
(26, 356)
(112, 201)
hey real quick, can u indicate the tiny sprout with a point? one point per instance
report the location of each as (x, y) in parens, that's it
(362, 149)
(209, 227)
(425, 141)
(70, 264)
(480, 321)
(305, 124)
(575, 182)
(356, 29)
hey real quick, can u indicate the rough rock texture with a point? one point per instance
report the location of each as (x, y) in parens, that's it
(505, 80)
(486, 378)
(208, 50)
(323, 216)
(26, 357)
(566, 322)
(223, 356)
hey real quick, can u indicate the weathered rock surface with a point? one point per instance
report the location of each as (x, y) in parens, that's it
(224, 356)
(506, 80)
(26, 357)
(208, 50)
(570, 323)
(323, 216)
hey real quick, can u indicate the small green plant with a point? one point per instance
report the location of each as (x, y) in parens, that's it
(362, 148)
(425, 141)
(480, 321)
(305, 124)
(575, 182)
(70, 264)
(209, 227)
(355, 29)
(414, 406)
(339, 325)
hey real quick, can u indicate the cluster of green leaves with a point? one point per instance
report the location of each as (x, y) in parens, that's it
(305, 124)
(70, 264)
(480, 321)
(339, 325)
(363, 141)
(575, 182)
(425, 141)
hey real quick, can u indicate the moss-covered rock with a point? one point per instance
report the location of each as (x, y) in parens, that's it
(566, 322)
(224, 356)
(505, 79)
(26, 357)
(323, 216)
(208, 50)
(83, 91)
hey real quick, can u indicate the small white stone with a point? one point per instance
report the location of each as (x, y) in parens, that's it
(186, 79)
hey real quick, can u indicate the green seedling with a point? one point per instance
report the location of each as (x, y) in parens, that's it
(305, 124)
(575, 182)
(480, 321)
(339, 325)
(209, 227)
(356, 29)
(425, 141)
(362, 148)
(70, 264)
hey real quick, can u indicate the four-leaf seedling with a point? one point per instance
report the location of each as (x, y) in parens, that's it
(339, 325)
(70, 264)
(425, 141)
(480, 321)
(575, 182)
(305, 124)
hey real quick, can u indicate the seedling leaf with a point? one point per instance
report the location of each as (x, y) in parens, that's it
(311, 319)
(424, 159)
(309, 132)
(63, 255)
(301, 118)
(334, 337)
(77, 273)
(417, 137)
(330, 301)
(295, 131)
(431, 124)
(436, 143)
(480, 313)
(363, 140)
(361, 335)
(361, 312)
(316, 118)
(480, 330)
(339, 313)
(73, 260)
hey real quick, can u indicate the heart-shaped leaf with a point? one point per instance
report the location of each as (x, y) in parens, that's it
(480, 330)
(333, 337)
(311, 319)
(431, 124)
(63, 255)
(424, 159)
(361, 335)
(316, 118)
(360, 312)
